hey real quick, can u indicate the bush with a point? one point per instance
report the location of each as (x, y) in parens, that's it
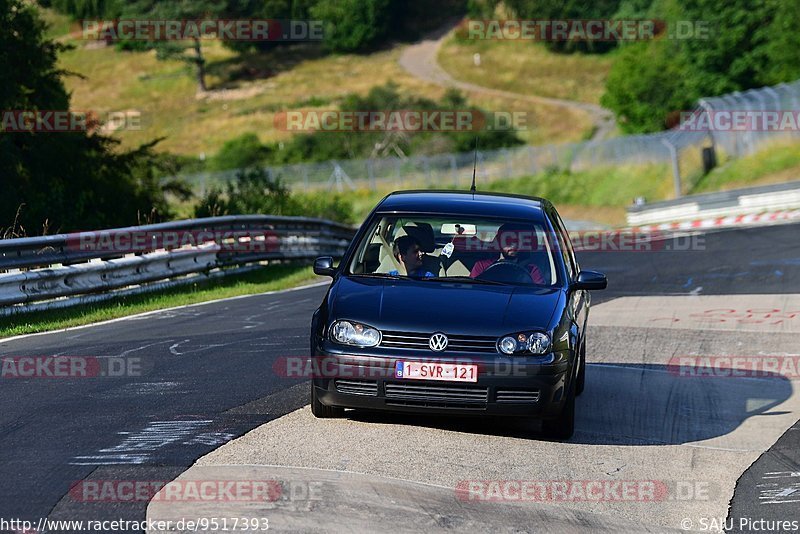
(325, 146)
(332, 206)
(254, 192)
(240, 152)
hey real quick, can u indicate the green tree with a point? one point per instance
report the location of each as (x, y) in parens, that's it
(353, 25)
(179, 10)
(647, 84)
(84, 9)
(779, 60)
(749, 43)
(60, 181)
(567, 10)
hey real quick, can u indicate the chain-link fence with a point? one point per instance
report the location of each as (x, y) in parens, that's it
(709, 133)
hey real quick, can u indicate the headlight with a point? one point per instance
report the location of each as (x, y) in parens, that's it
(508, 345)
(356, 334)
(533, 343)
(538, 343)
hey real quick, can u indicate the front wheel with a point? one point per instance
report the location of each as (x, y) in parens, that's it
(563, 427)
(321, 411)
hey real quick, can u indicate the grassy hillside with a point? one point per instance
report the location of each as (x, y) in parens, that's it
(247, 91)
(527, 68)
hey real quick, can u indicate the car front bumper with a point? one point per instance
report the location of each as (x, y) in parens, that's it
(521, 386)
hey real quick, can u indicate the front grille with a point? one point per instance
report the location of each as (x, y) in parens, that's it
(455, 343)
(434, 404)
(357, 387)
(517, 395)
(436, 393)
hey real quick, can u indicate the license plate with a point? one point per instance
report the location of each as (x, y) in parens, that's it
(450, 372)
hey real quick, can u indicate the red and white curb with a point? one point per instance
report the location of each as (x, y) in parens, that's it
(721, 222)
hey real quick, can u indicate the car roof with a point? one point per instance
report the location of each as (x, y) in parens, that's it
(464, 202)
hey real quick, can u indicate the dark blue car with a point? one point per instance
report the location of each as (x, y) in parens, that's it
(455, 303)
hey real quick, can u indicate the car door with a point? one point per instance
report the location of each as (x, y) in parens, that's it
(579, 300)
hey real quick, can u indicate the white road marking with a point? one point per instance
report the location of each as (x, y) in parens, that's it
(137, 447)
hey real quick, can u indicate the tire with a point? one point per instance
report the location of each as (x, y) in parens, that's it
(580, 381)
(562, 428)
(321, 411)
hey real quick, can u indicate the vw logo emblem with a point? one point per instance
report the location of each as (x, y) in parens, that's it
(438, 342)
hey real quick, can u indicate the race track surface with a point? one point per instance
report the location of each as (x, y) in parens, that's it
(201, 376)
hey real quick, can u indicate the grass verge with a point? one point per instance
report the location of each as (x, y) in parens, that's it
(270, 278)
(776, 164)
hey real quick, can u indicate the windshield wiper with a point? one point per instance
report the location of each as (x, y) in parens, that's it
(378, 275)
(467, 279)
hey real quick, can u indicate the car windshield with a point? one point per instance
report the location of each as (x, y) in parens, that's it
(457, 248)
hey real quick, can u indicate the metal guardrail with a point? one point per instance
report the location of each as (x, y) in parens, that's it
(745, 201)
(60, 270)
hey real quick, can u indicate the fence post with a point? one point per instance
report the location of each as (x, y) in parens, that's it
(305, 177)
(676, 168)
(554, 153)
(532, 159)
(509, 169)
(398, 173)
(371, 174)
(708, 109)
(454, 169)
(746, 139)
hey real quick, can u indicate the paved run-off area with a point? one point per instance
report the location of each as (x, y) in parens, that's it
(643, 422)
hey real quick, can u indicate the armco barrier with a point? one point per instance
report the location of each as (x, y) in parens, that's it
(747, 201)
(59, 270)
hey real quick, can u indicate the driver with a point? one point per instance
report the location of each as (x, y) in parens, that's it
(511, 240)
(407, 251)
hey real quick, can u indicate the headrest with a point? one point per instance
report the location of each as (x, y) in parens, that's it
(521, 235)
(423, 233)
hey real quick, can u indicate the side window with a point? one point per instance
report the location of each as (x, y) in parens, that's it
(570, 248)
(564, 244)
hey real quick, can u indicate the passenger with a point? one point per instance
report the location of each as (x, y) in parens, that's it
(511, 239)
(407, 251)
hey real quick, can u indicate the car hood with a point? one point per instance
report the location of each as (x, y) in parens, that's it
(453, 308)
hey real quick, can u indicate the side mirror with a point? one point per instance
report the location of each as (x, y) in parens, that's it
(324, 266)
(590, 280)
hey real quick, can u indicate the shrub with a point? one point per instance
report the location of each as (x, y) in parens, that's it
(253, 191)
(240, 152)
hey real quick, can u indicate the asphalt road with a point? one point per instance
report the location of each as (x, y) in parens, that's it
(204, 375)
(196, 364)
